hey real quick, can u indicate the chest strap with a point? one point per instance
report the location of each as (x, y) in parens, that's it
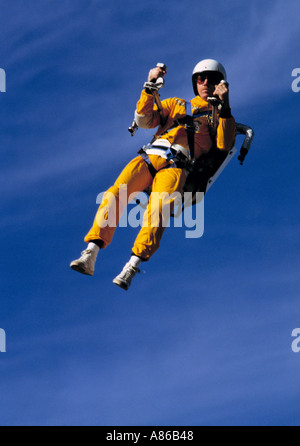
(188, 122)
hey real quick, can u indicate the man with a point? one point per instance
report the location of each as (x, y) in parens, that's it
(154, 168)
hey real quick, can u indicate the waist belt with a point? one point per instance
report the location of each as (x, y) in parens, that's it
(177, 155)
(165, 149)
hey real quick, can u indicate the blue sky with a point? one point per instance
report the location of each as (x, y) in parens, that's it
(204, 336)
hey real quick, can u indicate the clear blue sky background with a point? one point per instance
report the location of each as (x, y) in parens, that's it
(204, 337)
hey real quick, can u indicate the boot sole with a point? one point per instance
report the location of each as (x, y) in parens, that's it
(79, 269)
(121, 284)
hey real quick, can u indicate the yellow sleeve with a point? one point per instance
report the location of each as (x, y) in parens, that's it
(226, 133)
(146, 114)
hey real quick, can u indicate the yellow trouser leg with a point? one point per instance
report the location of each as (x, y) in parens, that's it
(136, 177)
(166, 182)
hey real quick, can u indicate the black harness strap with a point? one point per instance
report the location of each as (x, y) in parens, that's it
(146, 158)
(190, 131)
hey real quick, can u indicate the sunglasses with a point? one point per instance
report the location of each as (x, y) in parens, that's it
(213, 77)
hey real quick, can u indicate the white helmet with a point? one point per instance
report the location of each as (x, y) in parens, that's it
(207, 65)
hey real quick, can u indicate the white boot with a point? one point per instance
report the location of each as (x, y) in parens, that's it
(123, 280)
(86, 263)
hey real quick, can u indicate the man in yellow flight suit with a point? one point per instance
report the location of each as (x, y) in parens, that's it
(152, 168)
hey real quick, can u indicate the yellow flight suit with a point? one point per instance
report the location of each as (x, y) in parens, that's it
(137, 177)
